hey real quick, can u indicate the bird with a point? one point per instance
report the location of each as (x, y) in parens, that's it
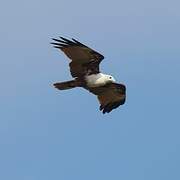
(84, 68)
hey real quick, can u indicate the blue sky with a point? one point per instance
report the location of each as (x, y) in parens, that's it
(47, 134)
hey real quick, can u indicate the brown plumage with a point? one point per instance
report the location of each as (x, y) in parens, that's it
(84, 60)
(85, 63)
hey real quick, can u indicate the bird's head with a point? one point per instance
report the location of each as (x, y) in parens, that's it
(110, 78)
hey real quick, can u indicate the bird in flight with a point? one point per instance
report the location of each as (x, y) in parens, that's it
(84, 68)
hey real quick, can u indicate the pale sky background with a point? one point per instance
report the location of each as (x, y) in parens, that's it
(46, 134)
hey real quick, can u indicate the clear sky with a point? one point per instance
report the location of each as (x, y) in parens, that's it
(46, 134)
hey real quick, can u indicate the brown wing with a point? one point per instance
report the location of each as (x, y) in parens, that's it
(110, 96)
(84, 60)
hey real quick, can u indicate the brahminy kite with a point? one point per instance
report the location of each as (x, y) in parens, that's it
(84, 68)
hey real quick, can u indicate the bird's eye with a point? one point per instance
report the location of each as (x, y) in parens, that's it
(110, 77)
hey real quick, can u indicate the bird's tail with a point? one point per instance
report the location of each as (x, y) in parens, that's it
(67, 85)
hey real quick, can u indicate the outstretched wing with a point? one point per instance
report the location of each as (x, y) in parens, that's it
(84, 60)
(110, 96)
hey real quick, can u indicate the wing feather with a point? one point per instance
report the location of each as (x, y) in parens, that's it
(110, 96)
(84, 60)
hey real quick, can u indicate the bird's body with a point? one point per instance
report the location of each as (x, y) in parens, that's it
(97, 80)
(84, 67)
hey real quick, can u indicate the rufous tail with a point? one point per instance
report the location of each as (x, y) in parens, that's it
(66, 85)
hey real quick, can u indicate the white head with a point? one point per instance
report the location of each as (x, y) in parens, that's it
(109, 78)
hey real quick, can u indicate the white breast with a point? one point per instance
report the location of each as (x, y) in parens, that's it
(96, 80)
